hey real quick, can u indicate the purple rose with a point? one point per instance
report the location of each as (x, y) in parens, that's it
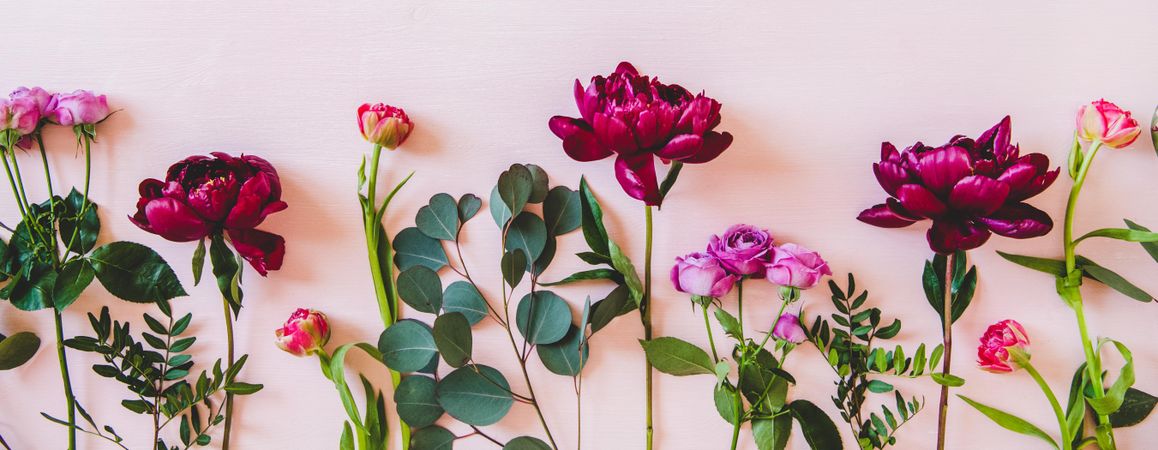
(788, 329)
(80, 108)
(796, 266)
(743, 249)
(701, 274)
(20, 115)
(45, 101)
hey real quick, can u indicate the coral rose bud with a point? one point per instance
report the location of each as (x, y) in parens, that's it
(384, 125)
(1106, 122)
(1001, 346)
(304, 333)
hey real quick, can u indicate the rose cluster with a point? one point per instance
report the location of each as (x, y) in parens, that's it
(746, 251)
(27, 109)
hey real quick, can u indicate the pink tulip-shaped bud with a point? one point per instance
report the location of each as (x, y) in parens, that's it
(305, 333)
(701, 274)
(1106, 122)
(80, 108)
(796, 266)
(384, 125)
(1001, 346)
(788, 329)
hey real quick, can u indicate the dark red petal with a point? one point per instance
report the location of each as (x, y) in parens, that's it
(250, 209)
(899, 210)
(890, 175)
(889, 152)
(920, 201)
(976, 194)
(612, 133)
(151, 188)
(1019, 221)
(882, 216)
(943, 167)
(578, 141)
(564, 126)
(625, 67)
(636, 174)
(948, 236)
(714, 145)
(681, 146)
(174, 220)
(264, 251)
(1037, 186)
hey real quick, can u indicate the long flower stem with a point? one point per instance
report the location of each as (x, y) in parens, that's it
(708, 328)
(947, 343)
(229, 366)
(84, 195)
(1053, 403)
(645, 316)
(70, 399)
(737, 399)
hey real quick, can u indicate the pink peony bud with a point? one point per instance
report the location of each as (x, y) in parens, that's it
(1106, 122)
(788, 329)
(1000, 345)
(796, 266)
(80, 108)
(701, 274)
(384, 125)
(304, 333)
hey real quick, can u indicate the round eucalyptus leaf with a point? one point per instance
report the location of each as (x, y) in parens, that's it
(540, 264)
(453, 338)
(513, 265)
(562, 211)
(407, 346)
(526, 443)
(439, 218)
(539, 183)
(527, 233)
(476, 395)
(413, 248)
(468, 206)
(416, 402)
(499, 211)
(420, 288)
(432, 438)
(515, 186)
(543, 317)
(563, 357)
(462, 297)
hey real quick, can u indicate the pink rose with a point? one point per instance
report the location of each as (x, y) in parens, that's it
(701, 274)
(796, 266)
(80, 108)
(384, 125)
(304, 333)
(788, 329)
(743, 249)
(1106, 122)
(45, 101)
(20, 115)
(998, 345)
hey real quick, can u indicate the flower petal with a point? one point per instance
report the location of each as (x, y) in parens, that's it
(264, 251)
(943, 167)
(976, 194)
(1019, 221)
(681, 147)
(890, 175)
(173, 220)
(714, 145)
(882, 216)
(946, 236)
(613, 133)
(636, 174)
(254, 202)
(920, 201)
(578, 141)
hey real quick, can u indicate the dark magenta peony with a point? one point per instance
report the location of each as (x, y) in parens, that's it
(637, 118)
(205, 196)
(968, 188)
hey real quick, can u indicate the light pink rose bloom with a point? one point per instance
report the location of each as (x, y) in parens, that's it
(21, 115)
(994, 354)
(701, 274)
(795, 266)
(45, 101)
(1106, 122)
(788, 329)
(305, 333)
(80, 108)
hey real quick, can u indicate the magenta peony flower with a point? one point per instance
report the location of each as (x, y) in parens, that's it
(967, 188)
(701, 274)
(1106, 122)
(638, 119)
(743, 249)
(203, 196)
(19, 116)
(994, 354)
(795, 266)
(304, 333)
(384, 125)
(79, 108)
(788, 329)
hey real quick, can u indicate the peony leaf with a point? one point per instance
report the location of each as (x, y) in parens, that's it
(677, 357)
(1009, 421)
(592, 221)
(614, 305)
(624, 266)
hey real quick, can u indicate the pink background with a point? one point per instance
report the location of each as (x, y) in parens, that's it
(809, 91)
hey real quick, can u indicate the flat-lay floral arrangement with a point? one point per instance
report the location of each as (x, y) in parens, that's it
(968, 189)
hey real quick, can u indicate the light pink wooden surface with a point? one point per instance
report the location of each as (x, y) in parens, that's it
(809, 91)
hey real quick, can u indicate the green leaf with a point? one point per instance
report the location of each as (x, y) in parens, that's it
(890, 331)
(468, 206)
(540, 264)
(34, 294)
(476, 395)
(346, 441)
(225, 269)
(963, 293)
(676, 357)
(17, 349)
(526, 443)
(586, 275)
(198, 261)
(543, 317)
(413, 248)
(932, 280)
(240, 388)
(624, 266)
(420, 288)
(1053, 267)
(1136, 405)
(86, 227)
(416, 402)
(772, 434)
(562, 211)
(669, 180)
(564, 357)
(499, 211)
(515, 187)
(724, 396)
(513, 265)
(74, 277)
(453, 339)
(879, 387)
(462, 297)
(135, 273)
(947, 379)
(1113, 280)
(1116, 394)
(1010, 422)
(1154, 130)
(439, 218)
(730, 324)
(612, 306)
(407, 346)
(527, 233)
(1150, 247)
(818, 428)
(539, 184)
(432, 438)
(592, 221)
(1121, 234)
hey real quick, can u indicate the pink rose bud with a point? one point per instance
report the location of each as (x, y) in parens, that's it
(20, 115)
(1106, 122)
(788, 329)
(80, 108)
(305, 333)
(701, 274)
(743, 249)
(796, 266)
(45, 101)
(1000, 345)
(384, 125)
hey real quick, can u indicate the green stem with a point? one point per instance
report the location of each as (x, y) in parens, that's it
(711, 339)
(1071, 206)
(737, 400)
(396, 379)
(84, 201)
(645, 316)
(1057, 410)
(229, 366)
(47, 172)
(15, 190)
(947, 344)
(68, 396)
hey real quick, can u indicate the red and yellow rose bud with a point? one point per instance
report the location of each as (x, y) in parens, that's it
(305, 332)
(384, 125)
(1106, 122)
